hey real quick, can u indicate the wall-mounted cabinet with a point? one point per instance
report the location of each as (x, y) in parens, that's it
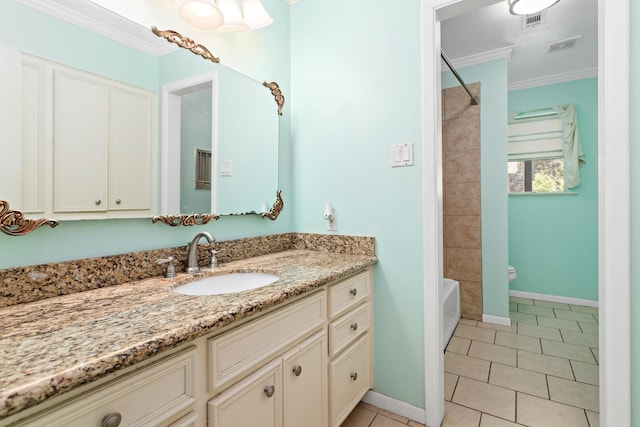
(89, 144)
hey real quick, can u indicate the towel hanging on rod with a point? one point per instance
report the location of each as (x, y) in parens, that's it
(474, 99)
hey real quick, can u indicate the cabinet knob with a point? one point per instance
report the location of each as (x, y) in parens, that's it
(354, 326)
(118, 201)
(98, 202)
(269, 390)
(353, 292)
(297, 370)
(354, 376)
(111, 420)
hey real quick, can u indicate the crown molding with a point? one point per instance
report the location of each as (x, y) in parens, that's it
(481, 58)
(555, 78)
(92, 17)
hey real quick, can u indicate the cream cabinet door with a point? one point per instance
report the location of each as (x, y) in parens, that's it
(10, 131)
(305, 384)
(254, 401)
(130, 149)
(80, 142)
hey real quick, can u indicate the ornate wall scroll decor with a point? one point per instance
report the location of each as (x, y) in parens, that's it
(277, 93)
(276, 209)
(188, 220)
(185, 43)
(14, 223)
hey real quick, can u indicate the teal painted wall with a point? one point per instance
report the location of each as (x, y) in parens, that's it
(553, 239)
(493, 176)
(357, 91)
(195, 134)
(263, 53)
(635, 215)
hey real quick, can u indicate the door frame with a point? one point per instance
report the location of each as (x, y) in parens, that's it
(614, 214)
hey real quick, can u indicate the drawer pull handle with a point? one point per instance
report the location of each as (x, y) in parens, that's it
(98, 202)
(297, 370)
(353, 292)
(118, 201)
(354, 326)
(111, 420)
(354, 376)
(269, 390)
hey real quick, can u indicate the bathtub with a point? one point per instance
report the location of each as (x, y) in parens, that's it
(450, 307)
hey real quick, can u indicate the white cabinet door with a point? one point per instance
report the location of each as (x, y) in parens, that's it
(80, 142)
(130, 149)
(254, 401)
(305, 385)
(349, 379)
(10, 157)
(34, 93)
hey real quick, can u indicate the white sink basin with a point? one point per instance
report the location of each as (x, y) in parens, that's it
(226, 283)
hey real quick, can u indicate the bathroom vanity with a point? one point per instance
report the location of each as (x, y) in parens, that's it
(297, 352)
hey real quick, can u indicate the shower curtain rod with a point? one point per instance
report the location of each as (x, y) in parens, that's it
(474, 99)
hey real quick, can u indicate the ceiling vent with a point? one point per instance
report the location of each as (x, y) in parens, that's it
(533, 20)
(557, 45)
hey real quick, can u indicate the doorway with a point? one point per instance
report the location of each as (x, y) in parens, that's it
(613, 209)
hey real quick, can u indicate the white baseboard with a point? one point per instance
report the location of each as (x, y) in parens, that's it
(554, 298)
(505, 321)
(396, 406)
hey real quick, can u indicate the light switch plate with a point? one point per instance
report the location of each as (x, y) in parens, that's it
(401, 155)
(225, 168)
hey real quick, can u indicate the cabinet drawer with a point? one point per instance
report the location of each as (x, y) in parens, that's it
(245, 348)
(146, 397)
(349, 380)
(347, 328)
(347, 294)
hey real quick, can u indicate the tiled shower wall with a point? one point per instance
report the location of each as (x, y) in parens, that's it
(461, 184)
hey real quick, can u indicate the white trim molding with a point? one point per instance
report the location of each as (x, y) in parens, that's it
(555, 78)
(393, 405)
(614, 211)
(92, 17)
(554, 298)
(498, 320)
(481, 58)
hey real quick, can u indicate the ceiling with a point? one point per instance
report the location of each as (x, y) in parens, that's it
(491, 32)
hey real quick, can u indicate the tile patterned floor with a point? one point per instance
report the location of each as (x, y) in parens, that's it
(365, 415)
(540, 372)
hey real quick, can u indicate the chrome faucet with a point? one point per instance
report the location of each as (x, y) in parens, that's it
(192, 256)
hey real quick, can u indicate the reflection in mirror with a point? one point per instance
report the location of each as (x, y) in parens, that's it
(131, 55)
(230, 117)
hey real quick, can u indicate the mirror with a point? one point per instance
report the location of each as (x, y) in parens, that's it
(222, 144)
(237, 102)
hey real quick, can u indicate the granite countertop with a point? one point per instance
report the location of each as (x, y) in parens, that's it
(53, 345)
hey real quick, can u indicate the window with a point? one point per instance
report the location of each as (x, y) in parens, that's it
(536, 176)
(536, 161)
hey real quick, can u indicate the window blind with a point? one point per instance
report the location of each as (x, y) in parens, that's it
(535, 139)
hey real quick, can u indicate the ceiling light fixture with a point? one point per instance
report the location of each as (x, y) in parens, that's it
(225, 15)
(528, 7)
(201, 14)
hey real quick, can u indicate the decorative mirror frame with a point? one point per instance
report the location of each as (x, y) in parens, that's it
(13, 222)
(200, 219)
(185, 43)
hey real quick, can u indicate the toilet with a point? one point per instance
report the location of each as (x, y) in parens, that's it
(512, 274)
